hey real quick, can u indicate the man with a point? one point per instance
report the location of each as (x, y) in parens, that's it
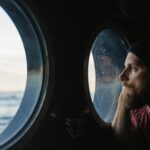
(131, 124)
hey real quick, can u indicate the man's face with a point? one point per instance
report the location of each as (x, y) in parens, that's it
(135, 76)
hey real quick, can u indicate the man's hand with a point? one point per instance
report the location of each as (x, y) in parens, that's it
(127, 97)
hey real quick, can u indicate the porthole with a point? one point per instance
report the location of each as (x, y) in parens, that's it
(13, 68)
(106, 60)
(36, 70)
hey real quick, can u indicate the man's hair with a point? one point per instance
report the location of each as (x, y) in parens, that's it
(142, 51)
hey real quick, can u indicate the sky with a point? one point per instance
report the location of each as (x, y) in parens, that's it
(13, 65)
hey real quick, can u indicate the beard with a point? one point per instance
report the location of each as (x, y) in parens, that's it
(139, 99)
(145, 95)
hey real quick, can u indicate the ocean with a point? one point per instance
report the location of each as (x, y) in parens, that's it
(9, 104)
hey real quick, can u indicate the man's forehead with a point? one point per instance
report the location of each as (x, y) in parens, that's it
(133, 59)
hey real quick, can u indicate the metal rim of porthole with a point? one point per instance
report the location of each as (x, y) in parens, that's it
(37, 72)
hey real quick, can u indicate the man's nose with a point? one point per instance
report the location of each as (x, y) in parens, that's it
(123, 75)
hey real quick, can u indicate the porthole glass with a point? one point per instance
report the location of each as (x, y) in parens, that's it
(13, 70)
(105, 63)
(26, 62)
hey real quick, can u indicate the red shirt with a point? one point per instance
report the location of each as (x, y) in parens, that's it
(140, 121)
(140, 118)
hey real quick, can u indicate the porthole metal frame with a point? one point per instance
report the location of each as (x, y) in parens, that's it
(37, 72)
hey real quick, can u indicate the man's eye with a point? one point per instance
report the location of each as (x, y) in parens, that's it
(134, 68)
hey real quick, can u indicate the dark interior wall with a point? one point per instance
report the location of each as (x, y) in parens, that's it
(70, 28)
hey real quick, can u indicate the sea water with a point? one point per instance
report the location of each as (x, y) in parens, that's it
(9, 104)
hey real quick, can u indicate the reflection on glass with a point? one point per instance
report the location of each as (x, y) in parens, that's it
(13, 70)
(91, 76)
(108, 54)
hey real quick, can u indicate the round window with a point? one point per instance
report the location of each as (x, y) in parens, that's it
(13, 68)
(24, 71)
(105, 63)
